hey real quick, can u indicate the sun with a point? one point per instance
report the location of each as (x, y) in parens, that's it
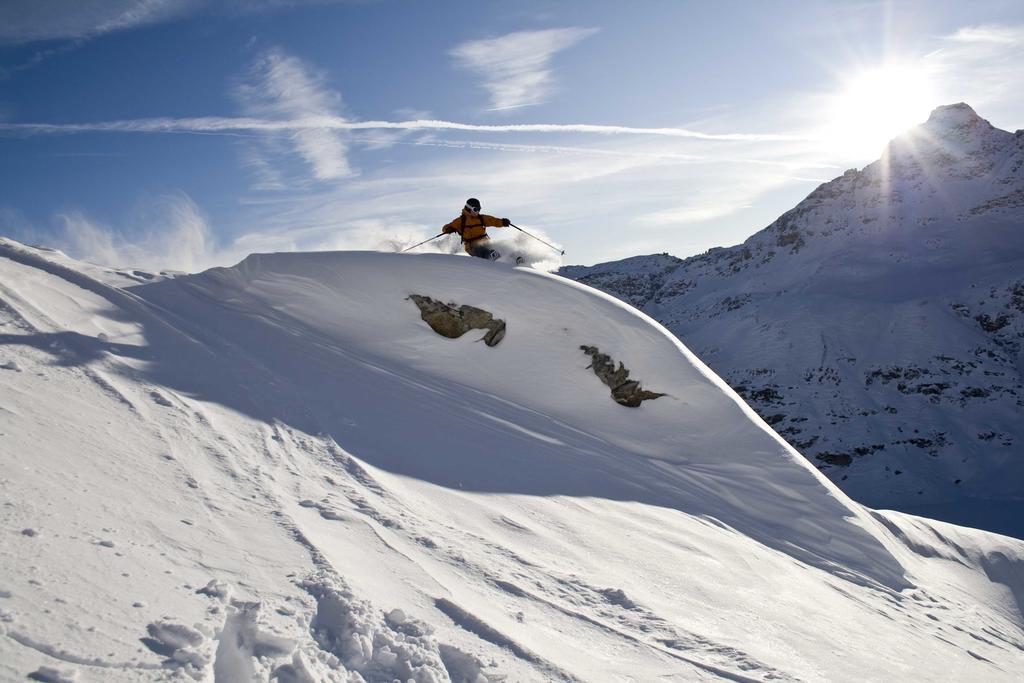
(875, 105)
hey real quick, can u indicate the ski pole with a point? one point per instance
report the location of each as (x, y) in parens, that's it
(560, 251)
(422, 243)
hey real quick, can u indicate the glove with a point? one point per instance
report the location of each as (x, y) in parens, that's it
(506, 222)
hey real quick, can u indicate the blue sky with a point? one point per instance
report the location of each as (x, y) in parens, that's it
(187, 133)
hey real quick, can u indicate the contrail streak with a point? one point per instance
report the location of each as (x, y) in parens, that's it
(227, 125)
(588, 151)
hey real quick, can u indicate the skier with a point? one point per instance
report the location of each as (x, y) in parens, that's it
(472, 226)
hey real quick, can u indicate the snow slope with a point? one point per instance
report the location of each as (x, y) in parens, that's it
(879, 324)
(279, 470)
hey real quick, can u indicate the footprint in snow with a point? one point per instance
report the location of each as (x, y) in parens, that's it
(617, 596)
(48, 674)
(160, 399)
(178, 643)
(220, 590)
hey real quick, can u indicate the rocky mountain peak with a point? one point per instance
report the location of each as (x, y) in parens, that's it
(952, 133)
(954, 118)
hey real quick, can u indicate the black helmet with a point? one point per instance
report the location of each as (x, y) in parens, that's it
(473, 204)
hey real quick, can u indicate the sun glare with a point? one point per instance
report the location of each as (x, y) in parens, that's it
(875, 106)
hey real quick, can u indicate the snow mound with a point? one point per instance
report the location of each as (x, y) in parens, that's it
(533, 387)
(301, 481)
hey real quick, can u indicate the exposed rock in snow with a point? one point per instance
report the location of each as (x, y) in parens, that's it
(449, 321)
(625, 391)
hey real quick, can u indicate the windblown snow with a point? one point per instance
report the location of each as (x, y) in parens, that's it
(280, 471)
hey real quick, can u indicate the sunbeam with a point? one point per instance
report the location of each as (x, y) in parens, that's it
(875, 105)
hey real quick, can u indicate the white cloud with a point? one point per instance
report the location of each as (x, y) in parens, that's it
(283, 88)
(516, 67)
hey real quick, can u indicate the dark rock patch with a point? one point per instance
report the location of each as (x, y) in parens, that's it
(990, 324)
(837, 459)
(449, 321)
(625, 391)
(766, 394)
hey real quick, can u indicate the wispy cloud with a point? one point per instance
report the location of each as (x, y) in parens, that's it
(690, 213)
(515, 68)
(655, 155)
(282, 88)
(266, 176)
(227, 125)
(26, 21)
(76, 22)
(989, 33)
(431, 141)
(981, 65)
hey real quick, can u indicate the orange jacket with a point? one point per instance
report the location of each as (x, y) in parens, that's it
(472, 226)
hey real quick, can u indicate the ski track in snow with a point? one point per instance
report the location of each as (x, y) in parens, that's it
(485, 586)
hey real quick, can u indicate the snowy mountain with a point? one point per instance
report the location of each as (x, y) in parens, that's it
(878, 325)
(308, 468)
